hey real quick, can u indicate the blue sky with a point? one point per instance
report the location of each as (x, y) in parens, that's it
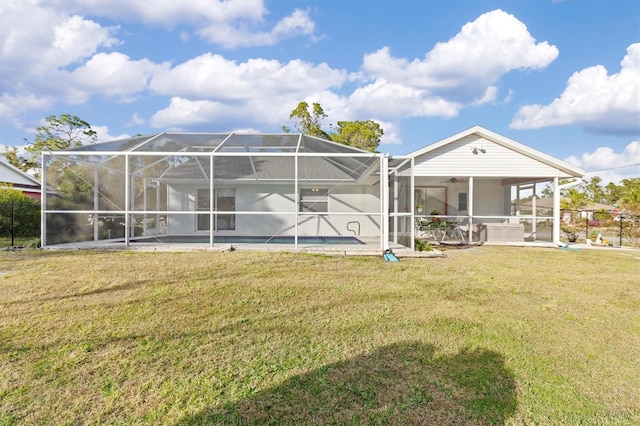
(562, 77)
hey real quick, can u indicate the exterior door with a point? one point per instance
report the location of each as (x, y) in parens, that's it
(224, 201)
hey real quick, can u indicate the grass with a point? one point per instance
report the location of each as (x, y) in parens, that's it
(488, 335)
(20, 241)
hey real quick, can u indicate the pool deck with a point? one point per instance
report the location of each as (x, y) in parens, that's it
(371, 247)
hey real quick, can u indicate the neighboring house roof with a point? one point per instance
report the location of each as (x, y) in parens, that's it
(459, 140)
(15, 176)
(547, 203)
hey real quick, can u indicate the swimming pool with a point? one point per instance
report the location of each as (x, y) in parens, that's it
(238, 239)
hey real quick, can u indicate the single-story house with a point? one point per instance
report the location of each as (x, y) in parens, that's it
(296, 189)
(14, 178)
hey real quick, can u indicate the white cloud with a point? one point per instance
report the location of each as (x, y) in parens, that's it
(136, 120)
(297, 24)
(12, 107)
(113, 75)
(609, 165)
(77, 38)
(228, 23)
(458, 73)
(66, 57)
(36, 43)
(600, 102)
(184, 112)
(391, 134)
(211, 89)
(103, 134)
(211, 76)
(397, 100)
(461, 71)
(52, 40)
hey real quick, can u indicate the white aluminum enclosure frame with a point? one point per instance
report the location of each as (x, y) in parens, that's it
(370, 163)
(475, 156)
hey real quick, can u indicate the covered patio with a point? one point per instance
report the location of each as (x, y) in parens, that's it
(466, 188)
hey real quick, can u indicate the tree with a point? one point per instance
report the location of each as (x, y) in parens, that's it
(19, 214)
(61, 132)
(573, 200)
(17, 160)
(363, 135)
(611, 193)
(307, 122)
(594, 191)
(630, 195)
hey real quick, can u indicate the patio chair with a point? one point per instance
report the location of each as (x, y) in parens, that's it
(427, 230)
(454, 230)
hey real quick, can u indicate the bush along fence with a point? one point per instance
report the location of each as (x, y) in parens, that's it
(602, 228)
(19, 224)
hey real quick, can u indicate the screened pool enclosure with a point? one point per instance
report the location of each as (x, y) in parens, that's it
(213, 186)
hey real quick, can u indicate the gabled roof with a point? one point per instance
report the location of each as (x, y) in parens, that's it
(13, 175)
(507, 143)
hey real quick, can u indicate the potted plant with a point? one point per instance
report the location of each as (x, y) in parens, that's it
(571, 231)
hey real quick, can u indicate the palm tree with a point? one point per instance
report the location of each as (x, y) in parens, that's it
(574, 200)
(630, 198)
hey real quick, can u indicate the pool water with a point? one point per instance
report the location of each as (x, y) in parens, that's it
(236, 239)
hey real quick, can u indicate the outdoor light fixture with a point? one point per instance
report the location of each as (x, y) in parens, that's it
(478, 148)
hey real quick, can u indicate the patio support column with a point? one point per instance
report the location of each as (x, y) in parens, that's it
(470, 206)
(395, 207)
(556, 211)
(43, 203)
(211, 201)
(144, 205)
(556, 205)
(96, 204)
(534, 224)
(127, 199)
(296, 197)
(412, 203)
(384, 193)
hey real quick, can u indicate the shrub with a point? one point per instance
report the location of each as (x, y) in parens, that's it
(18, 214)
(422, 245)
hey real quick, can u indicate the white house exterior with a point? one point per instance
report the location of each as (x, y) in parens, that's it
(220, 186)
(474, 175)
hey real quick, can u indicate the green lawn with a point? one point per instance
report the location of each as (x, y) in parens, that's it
(487, 335)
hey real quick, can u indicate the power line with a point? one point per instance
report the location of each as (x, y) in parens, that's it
(614, 168)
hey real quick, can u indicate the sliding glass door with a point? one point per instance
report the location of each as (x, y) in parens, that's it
(224, 201)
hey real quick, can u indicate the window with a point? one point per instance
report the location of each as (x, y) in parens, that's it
(462, 202)
(430, 199)
(225, 201)
(314, 200)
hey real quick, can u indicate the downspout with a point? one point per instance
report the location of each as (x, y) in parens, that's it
(556, 206)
